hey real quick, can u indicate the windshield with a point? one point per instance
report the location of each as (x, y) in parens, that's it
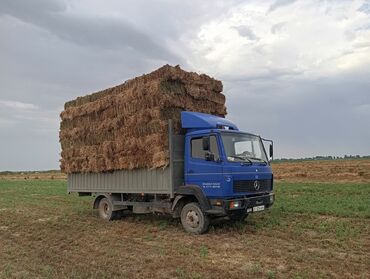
(243, 147)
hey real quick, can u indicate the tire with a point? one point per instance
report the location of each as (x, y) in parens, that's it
(105, 209)
(193, 219)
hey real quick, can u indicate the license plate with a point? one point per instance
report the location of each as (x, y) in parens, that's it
(258, 208)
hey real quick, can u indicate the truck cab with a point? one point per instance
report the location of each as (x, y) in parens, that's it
(231, 167)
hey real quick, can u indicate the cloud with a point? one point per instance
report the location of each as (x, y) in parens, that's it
(310, 38)
(247, 32)
(306, 117)
(278, 27)
(365, 8)
(28, 136)
(17, 105)
(19, 112)
(302, 81)
(88, 31)
(294, 71)
(280, 3)
(363, 110)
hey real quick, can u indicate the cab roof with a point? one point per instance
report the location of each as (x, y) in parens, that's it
(201, 121)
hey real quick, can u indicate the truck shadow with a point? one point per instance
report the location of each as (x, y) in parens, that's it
(166, 222)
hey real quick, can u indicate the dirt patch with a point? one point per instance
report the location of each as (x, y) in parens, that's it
(323, 171)
(126, 126)
(33, 175)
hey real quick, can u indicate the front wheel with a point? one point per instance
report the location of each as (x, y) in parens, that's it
(193, 219)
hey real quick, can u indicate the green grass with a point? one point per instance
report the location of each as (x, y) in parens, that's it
(337, 211)
(305, 199)
(203, 251)
(39, 193)
(313, 230)
(346, 200)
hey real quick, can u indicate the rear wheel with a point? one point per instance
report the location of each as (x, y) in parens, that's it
(106, 210)
(193, 219)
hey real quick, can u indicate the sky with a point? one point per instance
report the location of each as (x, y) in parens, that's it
(297, 72)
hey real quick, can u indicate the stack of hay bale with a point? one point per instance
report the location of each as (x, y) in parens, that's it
(125, 127)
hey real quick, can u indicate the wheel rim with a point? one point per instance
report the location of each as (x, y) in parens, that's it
(192, 219)
(105, 209)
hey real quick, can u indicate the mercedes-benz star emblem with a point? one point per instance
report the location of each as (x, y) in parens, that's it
(256, 185)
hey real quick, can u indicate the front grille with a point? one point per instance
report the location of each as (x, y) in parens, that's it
(240, 186)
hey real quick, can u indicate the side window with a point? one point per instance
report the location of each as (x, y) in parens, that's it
(214, 147)
(197, 148)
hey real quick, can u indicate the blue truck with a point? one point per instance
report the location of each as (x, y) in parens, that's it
(215, 171)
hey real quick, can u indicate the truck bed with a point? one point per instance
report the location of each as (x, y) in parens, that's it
(149, 181)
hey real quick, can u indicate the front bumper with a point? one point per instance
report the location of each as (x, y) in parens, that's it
(247, 204)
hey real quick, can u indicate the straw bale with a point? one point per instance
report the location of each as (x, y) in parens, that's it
(125, 127)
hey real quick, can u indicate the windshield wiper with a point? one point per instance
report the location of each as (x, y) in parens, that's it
(258, 159)
(241, 158)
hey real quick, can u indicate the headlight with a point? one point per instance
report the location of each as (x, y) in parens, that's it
(216, 202)
(235, 204)
(271, 198)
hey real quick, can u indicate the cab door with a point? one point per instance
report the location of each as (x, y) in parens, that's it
(201, 168)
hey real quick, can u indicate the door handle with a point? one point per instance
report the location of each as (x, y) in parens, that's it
(190, 171)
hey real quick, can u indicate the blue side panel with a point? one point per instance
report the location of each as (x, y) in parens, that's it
(207, 175)
(197, 120)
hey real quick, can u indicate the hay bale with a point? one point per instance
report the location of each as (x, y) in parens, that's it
(125, 127)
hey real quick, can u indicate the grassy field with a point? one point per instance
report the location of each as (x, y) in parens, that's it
(315, 230)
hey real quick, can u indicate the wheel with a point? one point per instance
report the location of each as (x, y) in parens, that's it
(106, 210)
(193, 219)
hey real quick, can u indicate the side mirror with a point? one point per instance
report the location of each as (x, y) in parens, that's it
(271, 151)
(206, 143)
(209, 156)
